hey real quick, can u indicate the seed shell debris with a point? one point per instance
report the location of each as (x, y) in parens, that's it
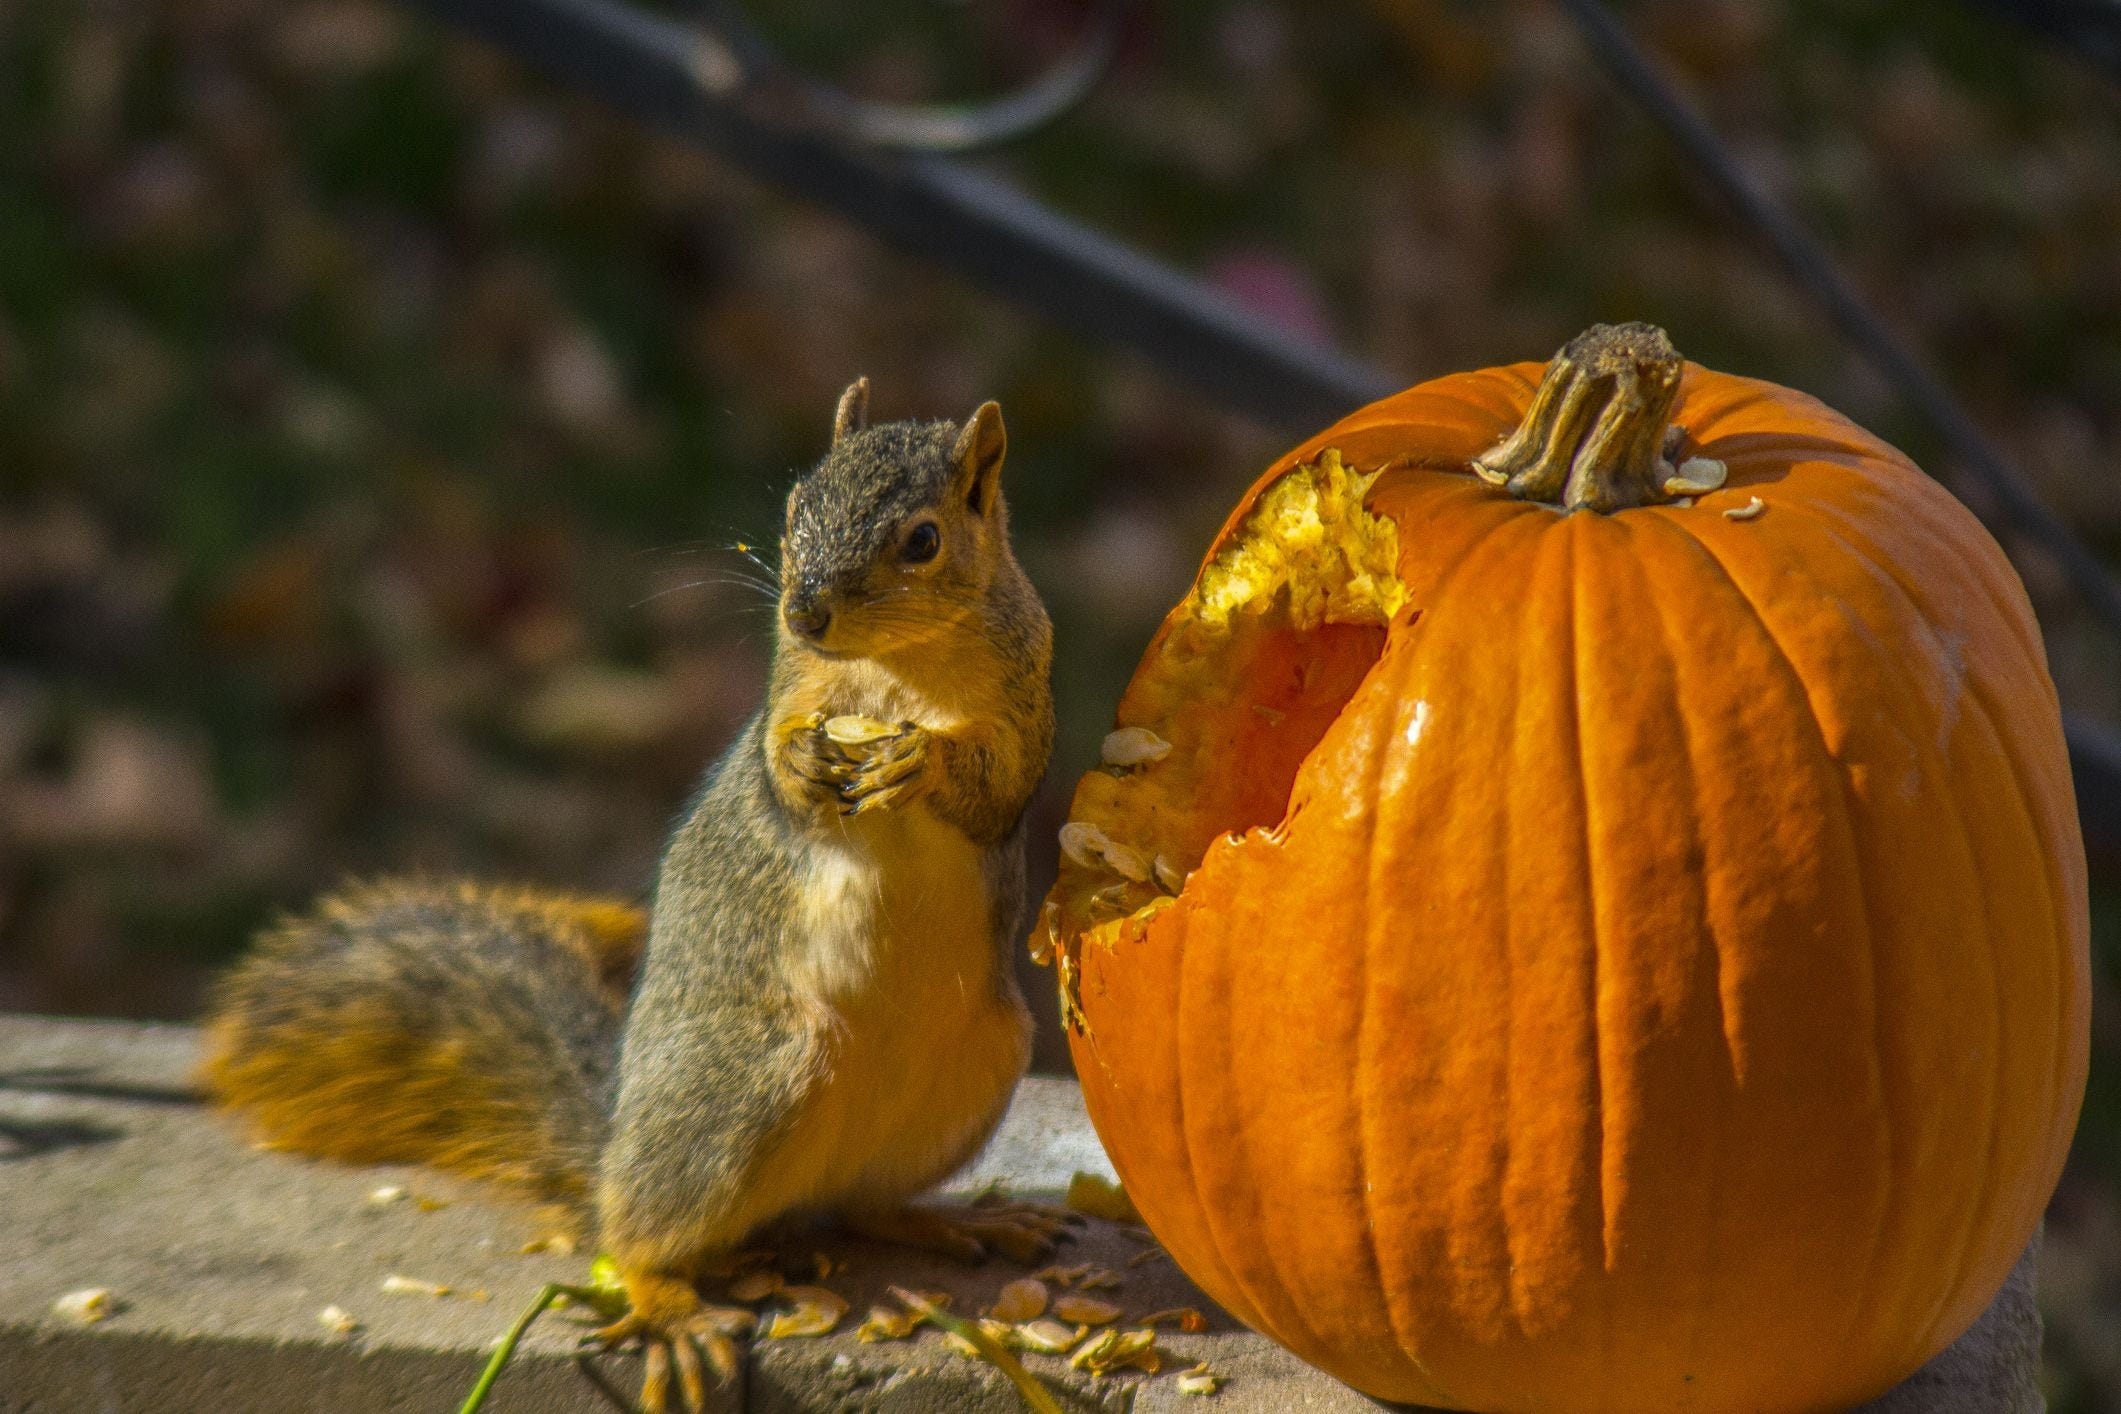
(1100, 1197)
(1114, 1350)
(88, 1305)
(815, 1311)
(1200, 1380)
(337, 1320)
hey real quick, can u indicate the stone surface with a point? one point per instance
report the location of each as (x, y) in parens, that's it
(220, 1258)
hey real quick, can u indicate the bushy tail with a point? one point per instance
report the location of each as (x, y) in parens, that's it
(467, 1027)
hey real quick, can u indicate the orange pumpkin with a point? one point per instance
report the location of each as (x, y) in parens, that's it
(1616, 960)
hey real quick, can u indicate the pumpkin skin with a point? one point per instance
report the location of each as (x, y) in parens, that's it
(1646, 970)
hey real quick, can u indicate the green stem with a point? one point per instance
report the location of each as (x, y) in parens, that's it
(505, 1351)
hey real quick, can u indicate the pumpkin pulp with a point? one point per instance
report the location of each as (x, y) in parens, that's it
(1293, 611)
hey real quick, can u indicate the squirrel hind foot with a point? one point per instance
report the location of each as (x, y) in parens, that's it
(679, 1335)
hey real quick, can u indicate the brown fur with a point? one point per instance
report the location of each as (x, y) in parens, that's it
(424, 1022)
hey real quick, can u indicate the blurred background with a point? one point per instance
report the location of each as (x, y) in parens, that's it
(376, 419)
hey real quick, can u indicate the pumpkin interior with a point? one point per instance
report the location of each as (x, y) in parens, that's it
(1281, 627)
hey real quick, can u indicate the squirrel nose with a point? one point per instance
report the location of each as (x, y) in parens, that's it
(808, 620)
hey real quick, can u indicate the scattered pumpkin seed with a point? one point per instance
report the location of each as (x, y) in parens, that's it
(1036, 1397)
(816, 1310)
(1753, 507)
(1086, 1310)
(756, 1286)
(1100, 1197)
(1064, 1276)
(1148, 1255)
(388, 1194)
(1049, 1337)
(1100, 1279)
(413, 1286)
(1133, 746)
(88, 1305)
(1169, 877)
(1023, 1300)
(1186, 1318)
(336, 1320)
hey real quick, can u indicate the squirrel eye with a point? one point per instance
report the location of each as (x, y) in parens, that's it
(922, 543)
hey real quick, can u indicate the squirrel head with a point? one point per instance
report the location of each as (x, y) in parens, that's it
(896, 535)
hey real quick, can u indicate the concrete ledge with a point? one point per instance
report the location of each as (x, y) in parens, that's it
(221, 1258)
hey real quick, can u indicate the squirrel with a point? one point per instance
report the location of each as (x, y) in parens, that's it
(822, 1017)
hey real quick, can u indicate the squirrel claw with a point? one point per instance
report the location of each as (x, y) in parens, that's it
(691, 1345)
(889, 773)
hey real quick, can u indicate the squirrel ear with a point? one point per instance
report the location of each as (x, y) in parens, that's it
(978, 454)
(852, 415)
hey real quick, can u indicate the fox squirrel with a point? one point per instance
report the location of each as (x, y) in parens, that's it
(823, 1014)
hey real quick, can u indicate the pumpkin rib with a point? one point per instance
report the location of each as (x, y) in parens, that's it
(1374, 914)
(1608, 1199)
(1936, 760)
(1271, 1294)
(1710, 1243)
(1977, 698)
(1881, 1093)
(1915, 511)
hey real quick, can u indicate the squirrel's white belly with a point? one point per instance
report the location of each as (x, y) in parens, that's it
(921, 1045)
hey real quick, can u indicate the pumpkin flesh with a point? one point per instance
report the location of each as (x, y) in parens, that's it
(1624, 961)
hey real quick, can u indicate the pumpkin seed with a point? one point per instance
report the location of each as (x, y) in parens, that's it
(1084, 843)
(1049, 1337)
(1133, 746)
(1169, 877)
(854, 730)
(1086, 1311)
(1020, 1301)
(1753, 507)
(755, 1286)
(1696, 475)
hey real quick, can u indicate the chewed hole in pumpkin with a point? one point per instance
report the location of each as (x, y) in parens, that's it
(1277, 634)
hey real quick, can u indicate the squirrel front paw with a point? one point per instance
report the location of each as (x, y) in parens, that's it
(813, 765)
(889, 772)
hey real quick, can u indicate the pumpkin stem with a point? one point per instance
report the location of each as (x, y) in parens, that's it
(1598, 435)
